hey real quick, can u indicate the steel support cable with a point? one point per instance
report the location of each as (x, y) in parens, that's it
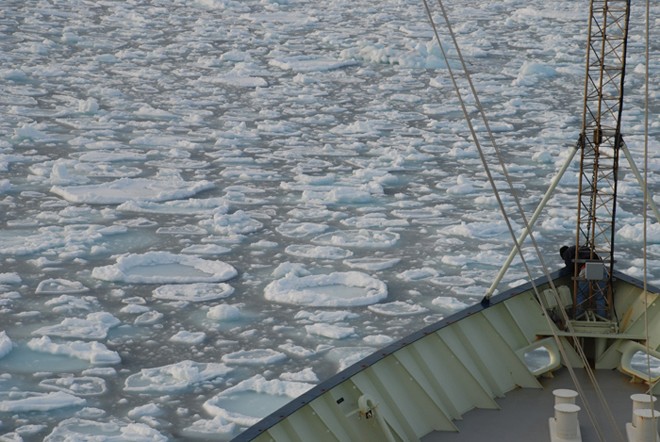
(502, 208)
(646, 198)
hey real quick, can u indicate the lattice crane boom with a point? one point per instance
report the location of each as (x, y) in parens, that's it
(600, 138)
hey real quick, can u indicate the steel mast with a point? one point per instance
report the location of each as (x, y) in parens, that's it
(600, 142)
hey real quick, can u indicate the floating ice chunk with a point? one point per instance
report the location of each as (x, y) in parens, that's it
(326, 316)
(5, 344)
(148, 318)
(418, 274)
(88, 106)
(288, 268)
(332, 290)
(145, 410)
(164, 267)
(77, 429)
(148, 112)
(483, 230)
(531, 73)
(186, 337)
(237, 80)
(238, 222)
(28, 401)
(304, 375)
(174, 378)
(69, 303)
(309, 63)
(448, 304)
(371, 264)
(57, 286)
(358, 238)
(634, 233)
(224, 312)
(55, 238)
(296, 350)
(30, 131)
(125, 189)
(198, 292)
(339, 195)
(397, 308)
(377, 340)
(300, 229)
(10, 278)
(344, 357)
(455, 260)
(191, 206)
(16, 75)
(100, 371)
(452, 281)
(94, 326)
(463, 186)
(252, 399)
(134, 309)
(182, 229)
(317, 252)
(206, 249)
(254, 357)
(64, 172)
(94, 352)
(217, 428)
(372, 220)
(79, 386)
(330, 331)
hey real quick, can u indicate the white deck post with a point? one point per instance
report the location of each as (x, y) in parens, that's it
(564, 426)
(644, 427)
(640, 402)
(564, 396)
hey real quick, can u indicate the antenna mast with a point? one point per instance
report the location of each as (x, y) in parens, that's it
(600, 139)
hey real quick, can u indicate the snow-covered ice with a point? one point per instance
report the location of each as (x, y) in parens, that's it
(260, 193)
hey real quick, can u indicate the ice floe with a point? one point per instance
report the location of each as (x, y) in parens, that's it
(250, 400)
(361, 238)
(397, 308)
(32, 401)
(58, 285)
(336, 289)
(78, 386)
(94, 326)
(93, 352)
(224, 312)
(164, 267)
(195, 292)
(114, 429)
(125, 189)
(5, 344)
(256, 357)
(174, 377)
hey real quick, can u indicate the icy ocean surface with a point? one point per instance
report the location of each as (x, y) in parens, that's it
(209, 206)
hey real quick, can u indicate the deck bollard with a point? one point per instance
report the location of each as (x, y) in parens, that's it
(641, 401)
(564, 396)
(566, 418)
(645, 423)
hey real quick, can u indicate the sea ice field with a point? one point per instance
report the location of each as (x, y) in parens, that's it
(209, 206)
